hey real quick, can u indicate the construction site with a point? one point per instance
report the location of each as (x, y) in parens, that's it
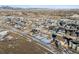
(39, 31)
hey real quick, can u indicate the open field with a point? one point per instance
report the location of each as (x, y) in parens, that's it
(20, 45)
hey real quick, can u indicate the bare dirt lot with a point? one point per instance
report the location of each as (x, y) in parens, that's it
(20, 45)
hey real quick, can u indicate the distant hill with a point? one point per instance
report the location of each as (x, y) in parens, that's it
(10, 8)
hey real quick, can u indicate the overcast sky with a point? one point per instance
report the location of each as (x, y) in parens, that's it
(44, 6)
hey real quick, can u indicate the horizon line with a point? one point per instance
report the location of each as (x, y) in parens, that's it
(45, 6)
